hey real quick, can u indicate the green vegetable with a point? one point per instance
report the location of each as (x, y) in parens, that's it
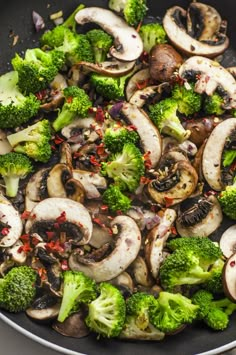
(189, 102)
(33, 141)
(138, 305)
(213, 104)
(17, 289)
(109, 87)
(13, 167)
(152, 34)
(228, 157)
(133, 11)
(15, 108)
(101, 43)
(115, 199)
(117, 136)
(106, 314)
(77, 289)
(227, 200)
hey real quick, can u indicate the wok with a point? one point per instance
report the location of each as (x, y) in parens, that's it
(15, 18)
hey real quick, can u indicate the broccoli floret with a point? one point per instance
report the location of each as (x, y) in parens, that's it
(17, 289)
(13, 167)
(132, 331)
(189, 101)
(33, 141)
(15, 108)
(164, 116)
(106, 314)
(115, 199)
(189, 264)
(125, 168)
(37, 69)
(133, 11)
(138, 305)
(77, 103)
(152, 34)
(215, 313)
(213, 104)
(215, 283)
(101, 43)
(171, 311)
(227, 200)
(229, 156)
(117, 136)
(77, 288)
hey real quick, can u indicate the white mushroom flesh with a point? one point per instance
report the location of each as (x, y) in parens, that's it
(228, 241)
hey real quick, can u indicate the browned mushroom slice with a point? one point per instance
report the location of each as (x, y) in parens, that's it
(36, 188)
(91, 182)
(156, 240)
(66, 155)
(228, 241)
(142, 96)
(56, 180)
(229, 277)
(5, 146)
(173, 23)
(124, 282)
(175, 185)
(44, 308)
(56, 96)
(141, 273)
(15, 254)
(139, 79)
(128, 43)
(74, 326)
(212, 154)
(127, 246)
(110, 68)
(201, 220)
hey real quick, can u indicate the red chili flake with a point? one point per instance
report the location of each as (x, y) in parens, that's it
(5, 231)
(69, 100)
(233, 166)
(64, 265)
(94, 161)
(147, 161)
(41, 94)
(99, 132)
(58, 140)
(198, 76)
(100, 115)
(142, 84)
(104, 208)
(173, 230)
(53, 147)
(232, 263)
(110, 232)
(61, 218)
(50, 235)
(144, 180)
(25, 237)
(169, 201)
(55, 246)
(100, 149)
(131, 128)
(25, 215)
(207, 78)
(34, 241)
(98, 221)
(26, 248)
(56, 225)
(77, 155)
(42, 273)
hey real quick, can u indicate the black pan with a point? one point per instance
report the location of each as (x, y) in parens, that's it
(15, 18)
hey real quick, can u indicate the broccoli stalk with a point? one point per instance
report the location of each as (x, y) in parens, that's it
(125, 168)
(13, 167)
(17, 289)
(171, 311)
(117, 136)
(152, 34)
(101, 43)
(163, 114)
(70, 21)
(133, 11)
(77, 103)
(189, 101)
(213, 104)
(15, 108)
(77, 289)
(106, 315)
(33, 141)
(115, 199)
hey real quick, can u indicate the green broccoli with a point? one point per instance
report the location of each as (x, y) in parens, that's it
(101, 43)
(13, 167)
(17, 289)
(171, 311)
(164, 116)
(15, 108)
(77, 288)
(34, 141)
(190, 262)
(133, 11)
(138, 306)
(117, 136)
(215, 313)
(215, 282)
(227, 200)
(125, 168)
(115, 199)
(132, 331)
(229, 156)
(77, 103)
(109, 87)
(106, 314)
(152, 34)
(37, 69)
(189, 101)
(212, 105)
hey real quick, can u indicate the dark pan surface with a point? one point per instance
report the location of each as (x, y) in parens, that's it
(15, 17)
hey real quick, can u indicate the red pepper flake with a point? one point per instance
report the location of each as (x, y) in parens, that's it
(64, 265)
(56, 225)
(25, 215)
(142, 84)
(58, 140)
(104, 208)
(34, 241)
(61, 218)
(5, 231)
(50, 234)
(41, 94)
(173, 230)
(77, 155)
(100, 149)
(55, 246)
(100, 115)
(99, 132)
(42, 273)
(26, 248)
(147, 160)
(131, 128)
(169, 201)
(232, 263)
(94, 161)
(53, 147)
(144, 180)
(233, 166)
(99, 222)
(25, 237)
(69, 99)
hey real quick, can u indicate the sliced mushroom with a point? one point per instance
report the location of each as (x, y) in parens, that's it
(66, 155)
(210, 75)
(10, 223)
(141, 273)
(56, 180)
(5, 146)
(201, 220)
(143, 96)
(173, 23)
(78, 221)
(212, 154)
(56, 97)
(187, 147)
(128, 243)
(175, 186)
(140, 78)
(124, 282)
(44, 308)
(128, 43)
(156, 240)
(74, 326)
(229, 277)
(228, 241)
(36, 188)
(111, 68)
(91, 182)
(15, 255)
(149, 135)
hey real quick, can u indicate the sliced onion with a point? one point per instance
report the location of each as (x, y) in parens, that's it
(38, 21)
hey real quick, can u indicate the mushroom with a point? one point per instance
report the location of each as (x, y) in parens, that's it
(56, 96)
(140, 272)
(127, 246)
(210, 76)
(124, 282)
(66, 156)
(44, 308)
(200, 220)
(91, 182)
(138, 79)
(132, 331)
(128, 43)
(229, 277)
(212, 154)
(149, 93)
(156, 239)
(74, 326)
(173, 23)
(170, 144)
(173, 184)
(228, 241)
(14, 254)
(36, 188)
(5, 146)
(77, 221)
(111, 68)
(10, 223)
(149, 135)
